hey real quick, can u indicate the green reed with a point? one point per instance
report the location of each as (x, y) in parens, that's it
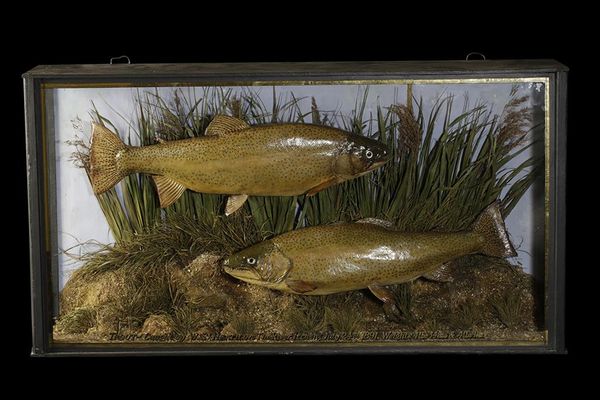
(430, 184)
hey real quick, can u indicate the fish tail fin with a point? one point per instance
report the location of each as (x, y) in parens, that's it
(490, 226)
(105, 171)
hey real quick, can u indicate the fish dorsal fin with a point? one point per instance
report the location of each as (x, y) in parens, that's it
(224, 124)
(168, 190)
(376, 221)
(234, 202)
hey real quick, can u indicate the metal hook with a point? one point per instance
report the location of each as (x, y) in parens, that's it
(119, 58)
(475, 53)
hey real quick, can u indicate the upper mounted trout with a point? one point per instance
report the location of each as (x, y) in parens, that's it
(238, 159)
(335, 258)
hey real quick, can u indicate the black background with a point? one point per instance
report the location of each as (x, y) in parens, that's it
(176, 33)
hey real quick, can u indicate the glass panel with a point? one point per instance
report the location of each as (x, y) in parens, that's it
(429, 168)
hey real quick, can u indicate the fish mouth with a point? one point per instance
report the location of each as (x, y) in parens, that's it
(244, 274)
(377, 164)
(380, 163)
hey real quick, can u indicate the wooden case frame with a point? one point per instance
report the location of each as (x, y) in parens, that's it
(41, 189)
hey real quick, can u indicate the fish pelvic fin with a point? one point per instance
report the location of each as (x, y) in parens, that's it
(490, 226)
(390, 302)
(234, 203)
(105, 151)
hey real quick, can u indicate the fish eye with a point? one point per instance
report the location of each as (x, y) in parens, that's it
(369, 154)
(251, 260)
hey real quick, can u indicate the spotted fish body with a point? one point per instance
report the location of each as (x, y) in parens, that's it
(280, 160)
(237, 159)
(342, 257)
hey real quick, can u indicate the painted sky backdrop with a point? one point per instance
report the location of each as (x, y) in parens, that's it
(80, 219)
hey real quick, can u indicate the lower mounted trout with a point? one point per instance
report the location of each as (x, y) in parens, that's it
(367, 254)
(240, 160)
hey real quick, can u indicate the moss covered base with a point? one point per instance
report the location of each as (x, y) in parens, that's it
(488, 300)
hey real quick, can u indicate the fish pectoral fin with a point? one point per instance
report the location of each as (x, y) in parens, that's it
(234, 203)
(168, 190)
(321, 186)
(376, 221)
(224, 124)
(300, 286)
(442, 274)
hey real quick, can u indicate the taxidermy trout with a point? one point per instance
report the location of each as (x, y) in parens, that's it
(367, 254)
(240, 160)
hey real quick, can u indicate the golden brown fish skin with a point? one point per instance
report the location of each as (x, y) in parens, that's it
(341, 257)
(278, 159)
(236, 159)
